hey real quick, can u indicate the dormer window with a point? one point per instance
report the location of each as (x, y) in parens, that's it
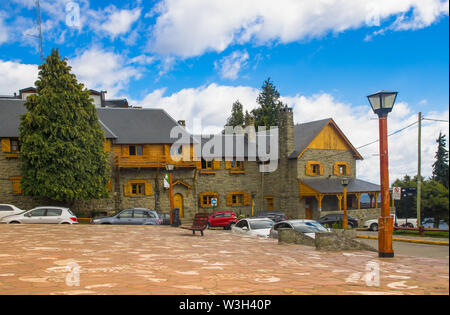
(341, 168)
(314, 168)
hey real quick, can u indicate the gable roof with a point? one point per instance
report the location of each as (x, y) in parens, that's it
(333, 185)
(305, 133)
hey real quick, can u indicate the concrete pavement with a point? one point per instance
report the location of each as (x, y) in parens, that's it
(85, 259)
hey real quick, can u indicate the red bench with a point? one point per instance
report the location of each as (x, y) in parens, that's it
(200, 223)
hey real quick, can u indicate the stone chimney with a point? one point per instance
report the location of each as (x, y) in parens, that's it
(103, 98)
(286, 132)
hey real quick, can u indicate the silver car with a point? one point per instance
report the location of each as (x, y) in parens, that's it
(307, 227)
(43, 215)
(8, 210)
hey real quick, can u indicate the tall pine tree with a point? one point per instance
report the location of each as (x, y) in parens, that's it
(237, 115)
(440, 167)
(270, 105)
(61, 139)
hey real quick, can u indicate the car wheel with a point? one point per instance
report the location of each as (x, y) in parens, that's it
(374, 227)
(65, 223)
(230, 226)
(14, 222)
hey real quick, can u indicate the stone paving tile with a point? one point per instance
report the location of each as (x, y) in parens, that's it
(36, 259)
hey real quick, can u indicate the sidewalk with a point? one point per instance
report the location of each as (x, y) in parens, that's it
(423, 239)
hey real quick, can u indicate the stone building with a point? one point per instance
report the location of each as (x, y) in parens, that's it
(312, 159)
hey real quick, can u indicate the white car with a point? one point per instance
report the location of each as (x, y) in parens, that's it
(43, 215)
(254, 227)
(8, 210)
(307, 227)
(373, 224)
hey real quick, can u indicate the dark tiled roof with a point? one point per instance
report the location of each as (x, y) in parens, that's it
(333, 185)
(304, 134)
(140, 126)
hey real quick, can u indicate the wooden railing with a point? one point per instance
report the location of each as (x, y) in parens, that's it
(149, 162)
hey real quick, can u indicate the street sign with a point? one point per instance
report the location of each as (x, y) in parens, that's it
(214, 202)
(397, 193)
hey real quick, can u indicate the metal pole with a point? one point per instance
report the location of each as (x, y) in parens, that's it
(171, 197)
(419, 172)
(386, 222)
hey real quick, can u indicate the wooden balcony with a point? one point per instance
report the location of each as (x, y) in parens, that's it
(149, 162)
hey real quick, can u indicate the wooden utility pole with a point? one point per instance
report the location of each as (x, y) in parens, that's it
(419, 171)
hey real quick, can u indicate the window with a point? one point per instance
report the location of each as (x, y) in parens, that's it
(15, 146)
(270, 201)
(341, 168)
(207, 165)
(143, 214)
(135, 150)
(206, 199)
(38, 213)
(238, 198)
(15, 180)
(314, 168)
(54, 212)
(138, 189)
(237, 164)
(6, 208)
(126, 214)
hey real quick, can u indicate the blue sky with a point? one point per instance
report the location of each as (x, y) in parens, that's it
(194, 58)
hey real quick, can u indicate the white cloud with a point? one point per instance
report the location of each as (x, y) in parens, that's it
(211, 104)
(16, 76)
(3, 30)
(230, 66)
(191, 28)
(100, 69)
(119, 22)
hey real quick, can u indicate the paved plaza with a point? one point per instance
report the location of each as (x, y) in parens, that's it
(85, 259)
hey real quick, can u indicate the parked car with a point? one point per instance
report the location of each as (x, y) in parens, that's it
(274, 216)
(253, 226)
(224, 219)
(429, 223)
(8, 210)
(331, 219)
(44, 215)
(409, 223)
(164, 217)
(307, 227)
(135, 216)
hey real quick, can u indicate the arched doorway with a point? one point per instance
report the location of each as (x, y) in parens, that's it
(178, 203)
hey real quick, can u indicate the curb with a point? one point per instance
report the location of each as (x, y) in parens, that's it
(406, 240)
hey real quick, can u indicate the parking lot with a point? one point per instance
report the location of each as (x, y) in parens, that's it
(101, 259)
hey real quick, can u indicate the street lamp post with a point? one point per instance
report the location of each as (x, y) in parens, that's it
(169, 168)
(344, 182)
(382, 103)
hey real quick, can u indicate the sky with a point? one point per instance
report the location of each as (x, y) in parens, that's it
(195, 58)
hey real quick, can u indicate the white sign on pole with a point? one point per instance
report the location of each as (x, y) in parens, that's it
(214, 202)
(397, 193)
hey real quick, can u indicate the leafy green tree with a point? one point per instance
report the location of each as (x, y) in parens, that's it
(440, 167)
(61, 139)
(237, 115)
(270, 105)
(435, 201)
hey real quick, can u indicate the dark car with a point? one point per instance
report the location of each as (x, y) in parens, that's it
(331, 219)
(165, 218)
(135, 216)
(274, 216)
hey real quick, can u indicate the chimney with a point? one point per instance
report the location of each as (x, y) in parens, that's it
(102, 98)
(182, 123)
(286, 130)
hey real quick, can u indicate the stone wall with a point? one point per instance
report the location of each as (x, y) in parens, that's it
(328, 158)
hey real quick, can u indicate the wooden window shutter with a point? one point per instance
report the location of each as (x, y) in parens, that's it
(347, 169)
(230, 199)
(107, 146)
(109, 185)
(127, 189)
(322, 171)
(201, 200)
(148, 188)
(6, 145)
(216, 164)
(247, 199)
(198, 165)
(228, 165)
(125, 150)
(16, 185)
(308, 170)
(336, 169)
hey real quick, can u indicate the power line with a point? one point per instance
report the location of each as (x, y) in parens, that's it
(438, 120)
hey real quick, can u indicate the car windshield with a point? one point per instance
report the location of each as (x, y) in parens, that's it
(309, 227)
(261, 224)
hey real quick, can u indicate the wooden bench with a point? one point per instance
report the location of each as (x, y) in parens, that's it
(200, 223)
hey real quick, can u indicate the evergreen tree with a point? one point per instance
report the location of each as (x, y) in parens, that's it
(249, 120)
(268, 112)
(440, 167)
(61, 139)
(237, 115)
(435, 201)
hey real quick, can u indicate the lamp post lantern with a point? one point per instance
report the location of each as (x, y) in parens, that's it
(344, 182)
(169, 168)
(382, 103)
